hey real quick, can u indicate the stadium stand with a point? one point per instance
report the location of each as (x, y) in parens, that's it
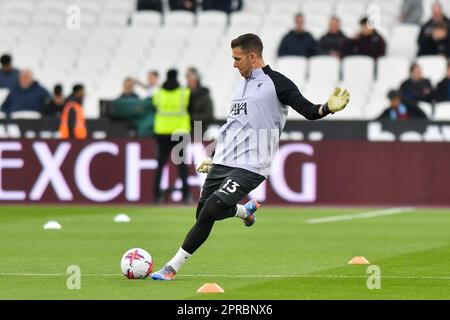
(116, 41)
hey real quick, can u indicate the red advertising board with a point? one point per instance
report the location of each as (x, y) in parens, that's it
(319, 173)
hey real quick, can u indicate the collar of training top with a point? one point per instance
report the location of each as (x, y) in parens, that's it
(257, 72)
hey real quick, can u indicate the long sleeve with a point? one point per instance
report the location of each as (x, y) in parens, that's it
(288, 94)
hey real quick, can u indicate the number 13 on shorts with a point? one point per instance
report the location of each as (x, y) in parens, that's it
(230, 186)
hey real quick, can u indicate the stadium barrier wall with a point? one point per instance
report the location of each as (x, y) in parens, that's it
(318, 173)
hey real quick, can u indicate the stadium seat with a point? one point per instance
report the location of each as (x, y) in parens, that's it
(179, 19)
(324, 69)
(15, 19)
(245, 20)
(217, 19)
(146, 19)
(278, 20)
(294, 68)
(354, 9)
(392, 70)
(89, 6)
(55, 6)
(359, 91)
(433, 67)
(442, 111)
(377, 100)
(54, 20)
(3, 94)
(403, 41)
(2, 115)
(258, 7)
(120, 6)
(316, 92)
(317, 8)
(410, 136)
(25, 115)
(17, 6)
(113, 20)
(284, 6)
(358, 68)
(427, 108)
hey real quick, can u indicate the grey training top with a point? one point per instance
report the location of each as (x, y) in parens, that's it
(250, 137)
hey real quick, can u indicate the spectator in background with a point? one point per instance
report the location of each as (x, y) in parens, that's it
(154, 5)
(416, 88)
(200, 104)
(72, 118)
(227, 6)
(443, 88)
(77, 94)
(398, 110)
(9, 76)
(56, 104)
(368, 41)
(436, 44)
(298, 42)
(28, 95)
(334, 42)
(189, 5)
(128, 89)
(152, 83)
(172, 117)
(426, 35)
(411, 11)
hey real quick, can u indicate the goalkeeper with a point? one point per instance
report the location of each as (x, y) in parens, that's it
(246, 144)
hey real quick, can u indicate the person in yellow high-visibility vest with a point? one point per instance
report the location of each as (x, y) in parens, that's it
(171, 103)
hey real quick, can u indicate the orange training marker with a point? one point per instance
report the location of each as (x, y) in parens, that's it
(358, 260)
(210, 288)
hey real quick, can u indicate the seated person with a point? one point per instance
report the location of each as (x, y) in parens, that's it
(154, 5)
(438, 43)
(298, 42)
(227, 6)
(9, 76)
(416, 88)
(368, 41)
(334, 42)
(188, 5)
(56, 104)
(443, 88)
(128, 89)
(398, 110)
(28, 95)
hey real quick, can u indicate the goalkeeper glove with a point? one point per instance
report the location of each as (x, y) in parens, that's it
(337, 101)
(205, 165)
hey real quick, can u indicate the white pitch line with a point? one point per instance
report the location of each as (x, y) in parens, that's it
(364, 215)
(281, 276)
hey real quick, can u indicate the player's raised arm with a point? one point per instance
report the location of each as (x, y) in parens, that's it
(289, 94)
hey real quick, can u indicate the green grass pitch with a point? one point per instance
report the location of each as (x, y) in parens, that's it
(281, 257)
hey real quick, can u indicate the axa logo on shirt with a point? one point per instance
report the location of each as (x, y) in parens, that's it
(238, 107)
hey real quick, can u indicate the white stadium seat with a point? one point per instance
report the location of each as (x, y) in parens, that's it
(392, 70)
(3, 94)
(25, 115)
(245, 20)
(294, 68)
(19, 19)
(358, 68)
(217, 19)
(19, 6)
(442, 111)
(179, 19)
(56, 6)
(324, 69)
(284, 6)
(113, 20)
(433, 67)
(146, 19)
(2, 115)
(427, 108)
(54, 20)
(403, 41)
(120, 6)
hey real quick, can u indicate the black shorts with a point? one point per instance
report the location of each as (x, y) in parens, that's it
(230, 184)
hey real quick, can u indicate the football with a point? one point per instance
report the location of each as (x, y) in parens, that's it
(136, 263)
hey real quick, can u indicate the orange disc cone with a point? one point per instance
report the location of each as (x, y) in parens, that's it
(210, 288)
(358, 260)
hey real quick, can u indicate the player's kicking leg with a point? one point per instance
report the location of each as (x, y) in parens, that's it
(220, 204)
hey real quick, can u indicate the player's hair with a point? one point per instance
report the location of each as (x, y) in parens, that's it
(249, 42)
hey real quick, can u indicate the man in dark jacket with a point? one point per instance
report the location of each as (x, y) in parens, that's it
(428, 34)
(368, 41)
(200, 103)
(416, 88)
(398, 110)
(334, 42)
(298, 42)
(188, 5)
(9, 76)
(443, 88)
(154, 5)
(28, 95)
(437, 43)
